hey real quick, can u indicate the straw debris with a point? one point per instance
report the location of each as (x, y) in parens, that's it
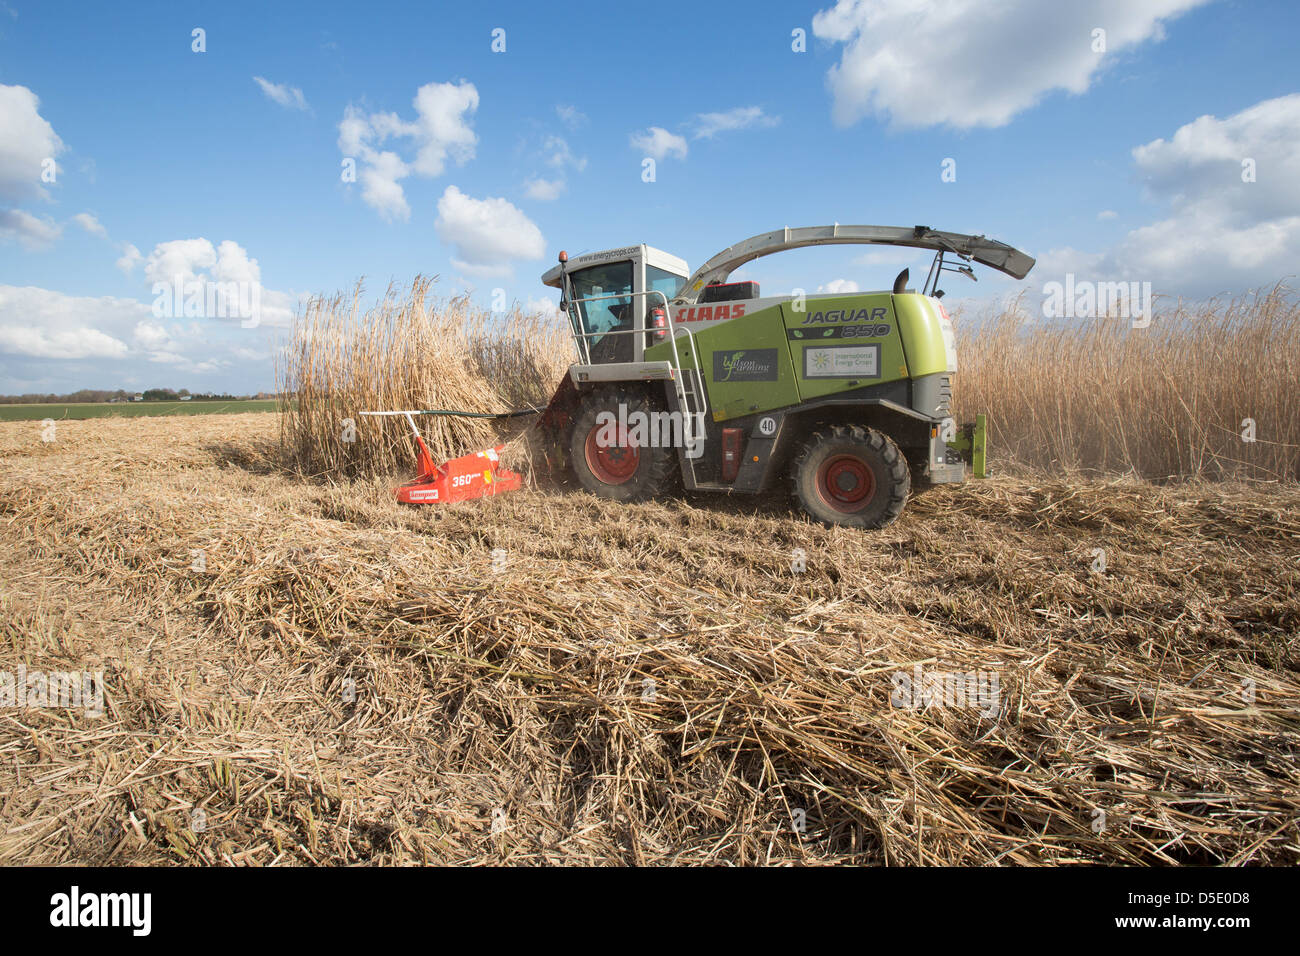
(340, 680)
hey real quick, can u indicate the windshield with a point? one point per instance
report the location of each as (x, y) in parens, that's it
(613, 279)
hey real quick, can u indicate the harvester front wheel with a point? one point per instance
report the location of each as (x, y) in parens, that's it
(604, 451)
(851, 476)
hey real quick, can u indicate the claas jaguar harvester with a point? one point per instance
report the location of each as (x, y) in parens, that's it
(689, 380)
(692, 378)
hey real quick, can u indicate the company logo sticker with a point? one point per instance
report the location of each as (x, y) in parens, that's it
(745, 365)
(841, 361)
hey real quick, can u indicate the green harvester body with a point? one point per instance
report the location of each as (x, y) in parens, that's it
(845, 395)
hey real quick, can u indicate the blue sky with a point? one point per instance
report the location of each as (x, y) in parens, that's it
(1124, 162)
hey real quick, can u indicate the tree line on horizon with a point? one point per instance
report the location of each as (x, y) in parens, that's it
(94, 395)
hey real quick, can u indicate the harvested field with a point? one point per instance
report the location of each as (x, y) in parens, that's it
(332, 679)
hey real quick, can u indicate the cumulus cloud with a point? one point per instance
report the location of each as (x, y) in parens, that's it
(839, 287)
(287, 96)
(1232, 188)
(216, 282)
(487, 234)
(556, 153)
(130, 258)
(179, 259)
(60, 342)
(969, 63)
(659, 143)
(570, 116)
(541, 306)
(151, 336)
(39, 323)
(89, 223)
(708, 125)
(439, 134)
(33, 232)
(544, 189)
(27, 140)
(560, 156)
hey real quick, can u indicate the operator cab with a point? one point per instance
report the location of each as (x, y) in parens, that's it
(612, 294)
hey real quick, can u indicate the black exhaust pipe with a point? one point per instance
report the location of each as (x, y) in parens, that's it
(900, 283)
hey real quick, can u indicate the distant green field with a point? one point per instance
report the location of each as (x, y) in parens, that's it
(27, 413)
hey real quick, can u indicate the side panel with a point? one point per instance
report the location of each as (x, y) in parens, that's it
(921, 326)
(842, 343)
(746, 364)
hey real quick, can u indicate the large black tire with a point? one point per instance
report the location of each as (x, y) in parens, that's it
(850, 475)
(621, 472)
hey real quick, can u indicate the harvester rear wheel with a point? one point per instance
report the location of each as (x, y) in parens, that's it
(603, 452)
(853, 476)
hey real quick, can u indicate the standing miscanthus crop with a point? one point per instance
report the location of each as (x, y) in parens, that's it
(408, 351)
(1208, 391)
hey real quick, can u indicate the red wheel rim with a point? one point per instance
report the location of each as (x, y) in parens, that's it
(612, 464)
(846, 483)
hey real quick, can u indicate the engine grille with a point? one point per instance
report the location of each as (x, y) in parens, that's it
(944, 406)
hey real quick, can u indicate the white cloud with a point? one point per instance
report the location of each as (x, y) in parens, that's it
(39, 323)
(34, 232)
(26, 141)
(229, 282)
(968, 63)
(570, 116)
(440, 134)
(488, 234)
(179, 259)
(658, 142)
(886, 256)
(89, 223)
(1221, 233)
(443, 130)
(555, 152)
(709, 125)
(75, 344)
(560, 155)
(1204, 161)
(1107, 214)
(130, 258)
(58, 342)
(282, 93)
(544, 189)
(151, 336)
(839, 286)
(542, 306)
(380, 187)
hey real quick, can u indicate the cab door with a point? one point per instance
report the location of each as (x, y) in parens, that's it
(611, 319)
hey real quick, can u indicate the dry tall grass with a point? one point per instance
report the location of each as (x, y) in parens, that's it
(1093, 396)
(407, 351)
(1096, 395)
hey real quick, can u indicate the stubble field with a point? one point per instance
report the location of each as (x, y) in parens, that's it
(331, 679)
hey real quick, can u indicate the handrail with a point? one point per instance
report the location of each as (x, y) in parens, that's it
(668, 317)
(670, 328)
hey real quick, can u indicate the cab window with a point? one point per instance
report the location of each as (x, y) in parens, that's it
(615, 279)
(658, 280)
